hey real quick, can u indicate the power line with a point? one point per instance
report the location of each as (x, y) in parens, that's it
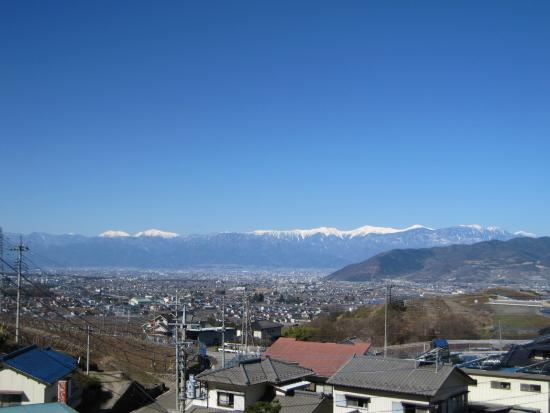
(79, 327)
(47, 290)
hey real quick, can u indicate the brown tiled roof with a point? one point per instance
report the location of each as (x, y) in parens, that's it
(323, 358)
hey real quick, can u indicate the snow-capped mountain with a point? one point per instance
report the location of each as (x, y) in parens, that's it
(324, 247)
(113, 234)
(156, 233)
(148, 233)
(331, 231)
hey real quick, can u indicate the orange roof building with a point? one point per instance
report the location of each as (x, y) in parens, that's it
(323, 358)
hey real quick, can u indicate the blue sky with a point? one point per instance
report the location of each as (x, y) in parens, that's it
(203, 116)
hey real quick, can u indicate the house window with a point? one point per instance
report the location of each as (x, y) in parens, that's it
(10, 400)
(354, 401)
(413, 408)
(225, 399)
(502, 385)
(534, 388)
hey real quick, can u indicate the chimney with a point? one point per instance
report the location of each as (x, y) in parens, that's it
(62, 391)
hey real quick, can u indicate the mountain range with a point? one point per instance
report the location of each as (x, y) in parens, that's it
(512, 261)
(323, 247)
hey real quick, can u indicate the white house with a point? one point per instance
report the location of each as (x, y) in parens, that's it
(520, 392)
(34, 375)
(248, 381)
(399, 386)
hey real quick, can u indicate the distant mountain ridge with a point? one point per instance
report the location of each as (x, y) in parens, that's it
(515, 260)
(323, 247)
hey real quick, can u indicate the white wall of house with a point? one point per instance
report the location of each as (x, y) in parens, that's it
(242, 396)
(484, 392)
(33, 391)
(238, 400)
(377, 403)
(323, 388)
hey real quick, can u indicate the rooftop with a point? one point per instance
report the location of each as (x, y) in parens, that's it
(39, 408)
(323, 358)
(396, 375)
(304, 402)
(45, 365)
(255, 371)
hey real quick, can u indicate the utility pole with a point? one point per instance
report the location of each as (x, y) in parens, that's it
(388, 295)
(183, 348)
(223, 330)
(88, 351)
(19, 248)
(500, 332)
(177, 367)
(176, 341)
(246, 324)
(243, 327)
(184, 322)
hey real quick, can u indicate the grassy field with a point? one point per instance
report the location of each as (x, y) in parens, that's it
(467, 316)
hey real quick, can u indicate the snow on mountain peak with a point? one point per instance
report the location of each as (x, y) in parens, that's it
(113, 234)
(156, 233)
(331, 231)
(525, 234)
(478, 227)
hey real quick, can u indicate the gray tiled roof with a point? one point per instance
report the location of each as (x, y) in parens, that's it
(304, 402)
(254, 371)
(395, 375)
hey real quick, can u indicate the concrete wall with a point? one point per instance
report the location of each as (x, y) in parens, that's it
(482, 392)
(34, 391)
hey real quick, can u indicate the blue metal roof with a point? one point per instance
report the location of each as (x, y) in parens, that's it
(440, 343)
(39, 408)
(45, 365)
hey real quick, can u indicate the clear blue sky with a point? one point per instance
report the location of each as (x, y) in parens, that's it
(203, 116)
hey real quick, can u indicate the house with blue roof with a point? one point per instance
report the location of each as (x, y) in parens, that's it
(36, 375)
(40, 408)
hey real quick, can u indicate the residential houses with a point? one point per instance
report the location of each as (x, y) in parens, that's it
(506, 390)
(399, 386)
(236, 387)
(323, 358)
(37, 375)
